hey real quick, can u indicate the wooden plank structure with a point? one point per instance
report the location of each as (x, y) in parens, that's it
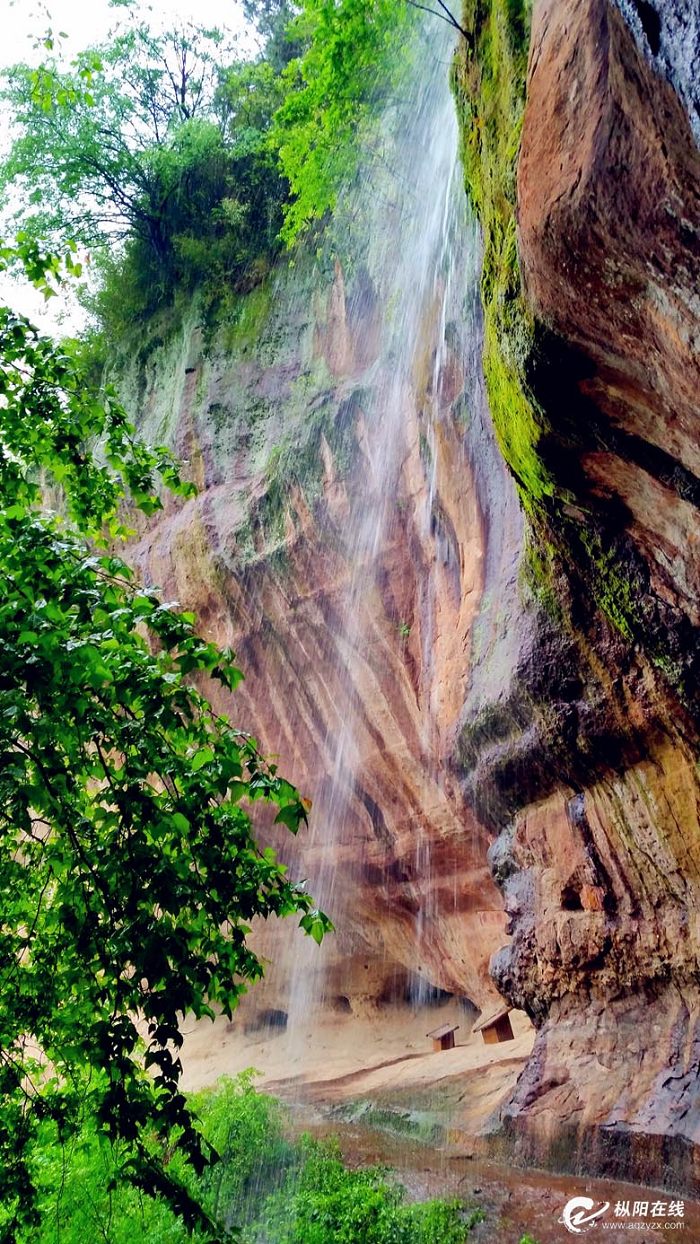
(443, 1038)
(496, 1027)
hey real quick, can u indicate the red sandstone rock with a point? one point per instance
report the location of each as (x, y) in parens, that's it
(609, 234)
(602, 881)
(405, 877)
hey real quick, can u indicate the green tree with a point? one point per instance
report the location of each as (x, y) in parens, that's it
(355, 54)
(219, 220)
(82, 158)
(129, 869)
(154, 155)
(272, 19)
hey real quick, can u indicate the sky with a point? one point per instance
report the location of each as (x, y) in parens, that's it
(85, 22)
(88, 21)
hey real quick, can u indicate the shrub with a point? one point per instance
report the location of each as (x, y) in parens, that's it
(276, 1192)
(83, 1198)
(324, 1202)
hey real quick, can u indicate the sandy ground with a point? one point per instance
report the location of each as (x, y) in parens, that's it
(378, 1056)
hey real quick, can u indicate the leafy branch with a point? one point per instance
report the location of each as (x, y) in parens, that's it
(129, 866)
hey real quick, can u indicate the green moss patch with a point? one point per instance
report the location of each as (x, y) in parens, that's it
(489, 84)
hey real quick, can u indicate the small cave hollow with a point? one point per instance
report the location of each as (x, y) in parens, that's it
(651, 24)
(268, 1020)
(406, 988)
(571, 899)
(341, 1004)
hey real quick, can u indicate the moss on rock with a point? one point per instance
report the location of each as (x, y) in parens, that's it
(489, 82)
(577, 540)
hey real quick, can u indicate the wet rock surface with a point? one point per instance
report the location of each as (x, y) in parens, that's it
(669, 36)
(609, 233)
(554, 730)
(354, 519)
(408, 843)
(591, 762)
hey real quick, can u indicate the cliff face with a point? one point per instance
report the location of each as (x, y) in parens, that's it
(356, 536)
(608, 215)
(522, 687)
(598, 859)
(269, 574)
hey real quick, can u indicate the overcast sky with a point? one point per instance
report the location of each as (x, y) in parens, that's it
(86, 22)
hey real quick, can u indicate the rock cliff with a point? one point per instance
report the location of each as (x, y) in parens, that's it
(597, 857)
(268, 575)
(356, 539)
(520, 673)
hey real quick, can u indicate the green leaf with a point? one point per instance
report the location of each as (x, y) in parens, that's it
(291, 816)
(204, 756)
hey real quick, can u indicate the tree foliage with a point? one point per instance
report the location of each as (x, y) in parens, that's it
(355, 52)
(128, 865)
(85, 137)
(275, 1190)
(179, 165)
(151, 151)
(272, 19)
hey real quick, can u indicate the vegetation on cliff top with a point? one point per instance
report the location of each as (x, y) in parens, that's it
(177, 165)
(152, 153)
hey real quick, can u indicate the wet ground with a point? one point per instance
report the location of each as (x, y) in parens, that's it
(515, 1202)
(376, 1084)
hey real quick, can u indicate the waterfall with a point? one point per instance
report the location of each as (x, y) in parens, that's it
(424, 273)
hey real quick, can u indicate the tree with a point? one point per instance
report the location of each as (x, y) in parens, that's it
(355, 52)
(272, 19)
(82, 157)
(129, 868)
(154, 155)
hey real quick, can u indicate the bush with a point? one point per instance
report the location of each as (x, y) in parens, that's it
(246, 1129)
(323, 1202)
(85, 1197)
(276, 1192)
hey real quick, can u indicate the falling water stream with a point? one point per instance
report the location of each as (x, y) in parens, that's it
(409, 233)
(421, 253)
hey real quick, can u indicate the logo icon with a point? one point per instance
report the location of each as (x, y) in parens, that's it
(580, 1214)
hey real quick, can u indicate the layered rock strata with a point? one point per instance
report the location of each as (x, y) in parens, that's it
(566, 659)
(274, 425)
(590, 759)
